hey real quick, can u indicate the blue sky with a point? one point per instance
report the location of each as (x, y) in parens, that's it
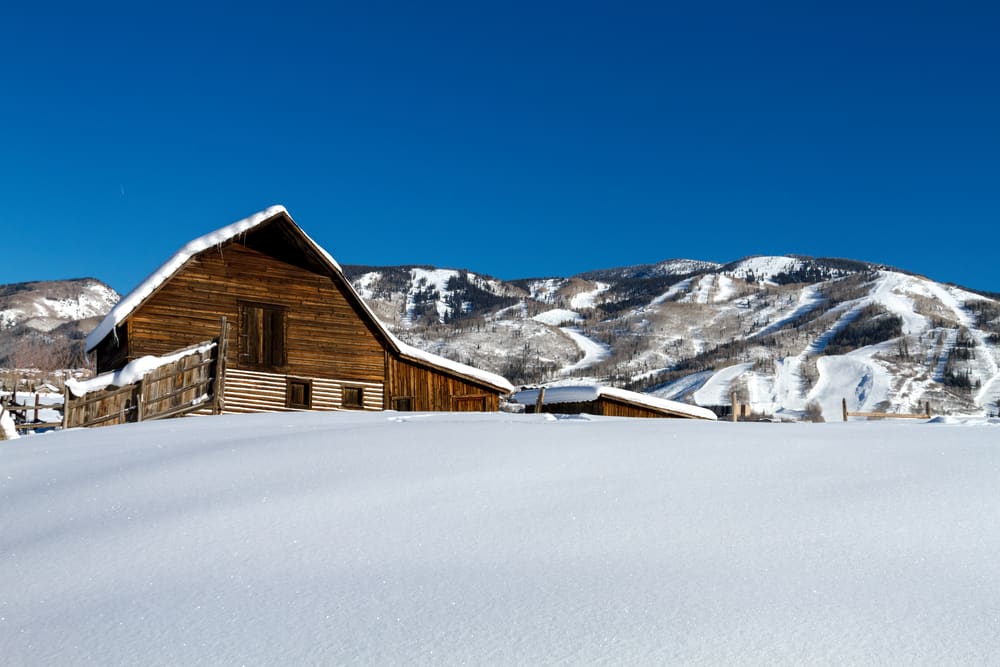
(512, 139)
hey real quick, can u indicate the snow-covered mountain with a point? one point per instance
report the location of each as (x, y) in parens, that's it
(49, 318)
(782, 332)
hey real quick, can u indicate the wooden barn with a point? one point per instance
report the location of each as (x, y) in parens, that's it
(606, 401)
(300, 337)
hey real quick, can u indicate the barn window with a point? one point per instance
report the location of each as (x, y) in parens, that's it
(352, 397)
(262, 335)
(298, 394)
(402, 404)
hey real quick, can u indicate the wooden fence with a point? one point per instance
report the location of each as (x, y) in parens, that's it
(193, 382)
(20, 414)
(886, 415)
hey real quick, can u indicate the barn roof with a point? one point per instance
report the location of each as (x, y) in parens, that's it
(223, 235)
(588, 393)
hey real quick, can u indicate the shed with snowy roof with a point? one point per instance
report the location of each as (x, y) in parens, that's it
(607, 401)
(300, 337)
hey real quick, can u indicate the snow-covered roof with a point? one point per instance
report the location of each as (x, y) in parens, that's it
(587, 393)
(416, 354)
(137, 296)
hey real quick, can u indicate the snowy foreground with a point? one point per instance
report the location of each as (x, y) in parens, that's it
(500, 539)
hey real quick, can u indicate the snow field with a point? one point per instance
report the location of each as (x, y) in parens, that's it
(500, 539)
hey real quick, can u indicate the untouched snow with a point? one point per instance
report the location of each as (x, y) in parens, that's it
(500, 539)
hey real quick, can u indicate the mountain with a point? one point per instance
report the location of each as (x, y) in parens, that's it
(792, 336)
(781, 332)
(43, 323)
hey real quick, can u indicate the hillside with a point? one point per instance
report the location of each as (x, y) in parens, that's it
(43, 323)
(781, 332)
(784, 333)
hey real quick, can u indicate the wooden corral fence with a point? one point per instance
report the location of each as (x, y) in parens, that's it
(20, 414)
(886, 415)
(193, 382)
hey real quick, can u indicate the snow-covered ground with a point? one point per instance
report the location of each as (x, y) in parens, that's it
(386, 538)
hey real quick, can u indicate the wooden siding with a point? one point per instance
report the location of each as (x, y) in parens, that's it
(430, 389)
(325, 335)
(607, 407)
(612, 408)
(257, 391)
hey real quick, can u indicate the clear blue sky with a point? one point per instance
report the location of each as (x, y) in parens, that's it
(516, 139)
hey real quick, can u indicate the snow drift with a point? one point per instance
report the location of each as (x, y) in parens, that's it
(499, 539)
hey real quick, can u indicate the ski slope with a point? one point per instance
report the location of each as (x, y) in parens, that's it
(594, 352)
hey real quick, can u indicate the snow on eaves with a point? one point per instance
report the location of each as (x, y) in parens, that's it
(417, 354)
(134, 298)
(587, 393)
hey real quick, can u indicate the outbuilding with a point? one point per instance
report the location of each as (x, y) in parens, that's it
(607, 401)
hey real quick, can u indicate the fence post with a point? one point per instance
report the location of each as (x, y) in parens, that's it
(843, 403)
(732, 400)
(36, 407)
(139, 401)
(221, 350)
(66, 401)
(927, 409)
(540, 401)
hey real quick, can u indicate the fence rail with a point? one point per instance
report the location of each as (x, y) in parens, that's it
(20, 413)
(886, 415)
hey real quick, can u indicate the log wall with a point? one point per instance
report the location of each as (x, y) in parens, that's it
(325, 336)
(257, 391)
(432, 390)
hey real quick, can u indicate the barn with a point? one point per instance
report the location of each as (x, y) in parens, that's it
(299, 336)
(607, 401)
